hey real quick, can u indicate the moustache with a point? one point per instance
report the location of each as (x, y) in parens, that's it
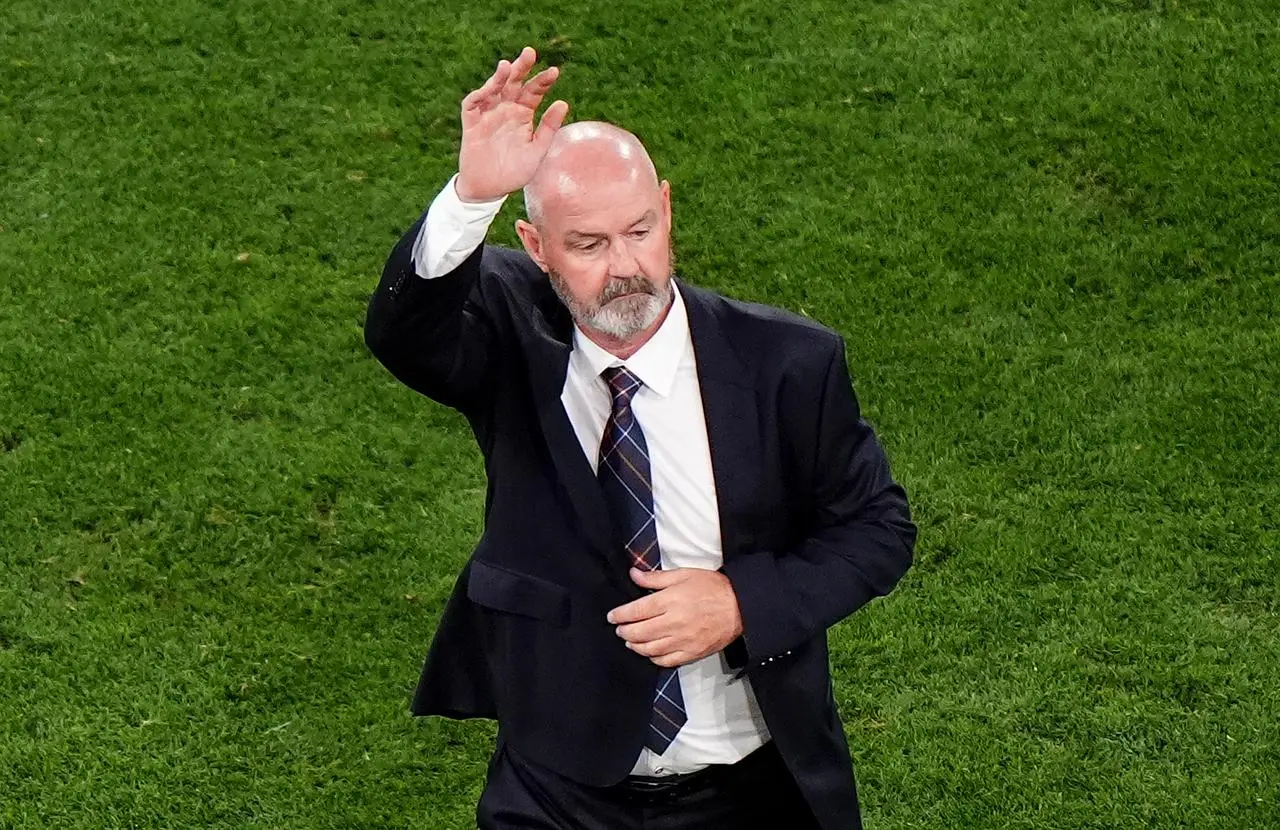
(622, 286)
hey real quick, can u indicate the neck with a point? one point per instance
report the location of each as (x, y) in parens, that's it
(625, 348)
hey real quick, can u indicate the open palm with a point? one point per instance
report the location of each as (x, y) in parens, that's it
(501, 149)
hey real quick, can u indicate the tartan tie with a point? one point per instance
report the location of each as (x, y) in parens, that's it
(625, 479)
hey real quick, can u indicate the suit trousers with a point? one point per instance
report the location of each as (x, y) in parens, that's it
(754, 794)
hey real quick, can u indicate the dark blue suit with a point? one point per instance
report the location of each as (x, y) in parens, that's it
(812, 524)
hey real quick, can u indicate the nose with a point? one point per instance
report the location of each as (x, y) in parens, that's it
(622, 262)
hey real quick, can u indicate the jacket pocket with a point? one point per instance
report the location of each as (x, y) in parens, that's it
(515, 593)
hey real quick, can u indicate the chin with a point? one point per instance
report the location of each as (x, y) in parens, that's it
(626, 317)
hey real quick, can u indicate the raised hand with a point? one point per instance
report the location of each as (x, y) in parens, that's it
(500, 147)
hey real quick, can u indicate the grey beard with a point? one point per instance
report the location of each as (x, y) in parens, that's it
(619, 319)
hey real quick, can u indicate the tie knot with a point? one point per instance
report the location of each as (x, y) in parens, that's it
(622, 384)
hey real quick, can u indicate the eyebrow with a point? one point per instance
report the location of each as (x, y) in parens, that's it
(648, 217)
(580, 236)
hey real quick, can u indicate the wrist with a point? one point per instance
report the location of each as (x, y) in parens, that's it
(467, 195)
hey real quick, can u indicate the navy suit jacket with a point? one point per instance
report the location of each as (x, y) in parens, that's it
(813, 525)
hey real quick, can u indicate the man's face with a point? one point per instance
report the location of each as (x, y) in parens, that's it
(607, 250)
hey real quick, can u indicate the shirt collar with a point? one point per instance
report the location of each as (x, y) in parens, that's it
(655, 363)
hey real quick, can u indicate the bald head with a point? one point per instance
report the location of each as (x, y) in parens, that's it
(586, 157)
(600, 228)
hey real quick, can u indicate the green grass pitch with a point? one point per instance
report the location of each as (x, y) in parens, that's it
(1049, 230)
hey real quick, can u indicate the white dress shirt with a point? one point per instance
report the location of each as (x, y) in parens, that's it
(724, 723)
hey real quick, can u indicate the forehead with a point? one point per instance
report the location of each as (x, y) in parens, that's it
(602, 204)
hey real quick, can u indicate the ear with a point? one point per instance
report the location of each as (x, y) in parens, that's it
(665, 188)
(532, 241)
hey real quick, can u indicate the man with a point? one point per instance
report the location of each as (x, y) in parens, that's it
(682, 495)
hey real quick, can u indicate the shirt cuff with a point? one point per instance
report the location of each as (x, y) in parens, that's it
(452, 230)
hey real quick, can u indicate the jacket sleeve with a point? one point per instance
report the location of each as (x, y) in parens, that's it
(434, 335)
(859, 535)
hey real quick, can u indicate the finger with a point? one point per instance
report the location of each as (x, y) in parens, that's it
(490, 87)
(551, 121)
(519, 69)
(531, 94)
(645, 631)
(636, 611)
(657, 580)
(656, 650)
(673, 659)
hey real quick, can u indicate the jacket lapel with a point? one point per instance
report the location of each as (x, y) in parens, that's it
(731, 410)
(548, 348)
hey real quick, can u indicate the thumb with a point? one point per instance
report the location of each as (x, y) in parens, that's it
(655, 580)
(551, 121)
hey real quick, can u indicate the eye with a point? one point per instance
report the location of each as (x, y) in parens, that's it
(588, 247)
(639, 233)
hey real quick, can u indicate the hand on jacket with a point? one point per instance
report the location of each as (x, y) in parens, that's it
(692, 613)
(500, 148)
